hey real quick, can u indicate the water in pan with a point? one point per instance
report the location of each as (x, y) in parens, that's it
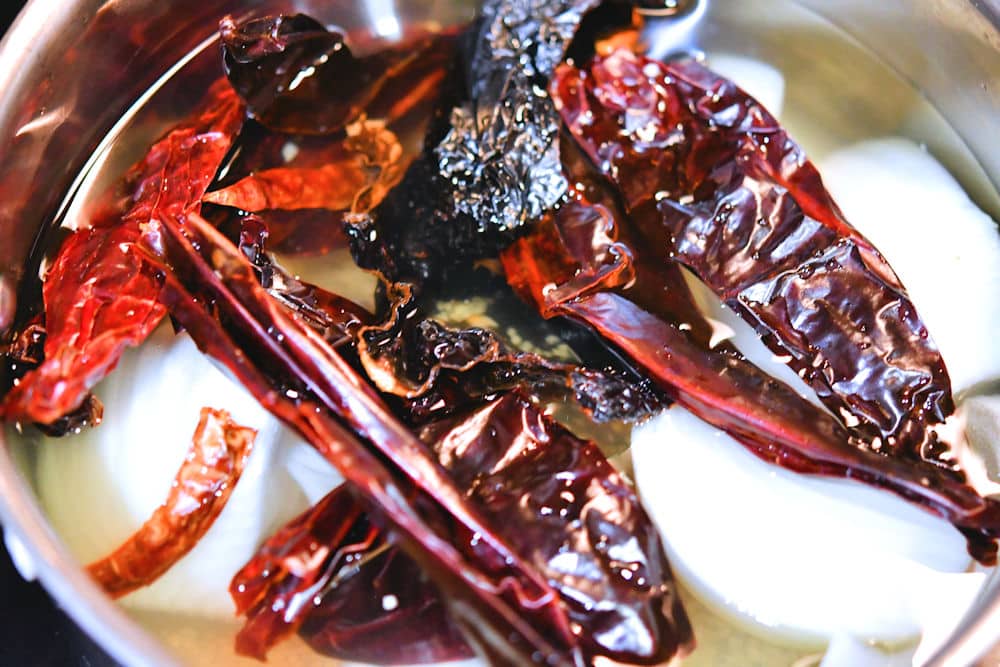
(832, 94)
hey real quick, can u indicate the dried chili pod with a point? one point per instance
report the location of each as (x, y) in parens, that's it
(258, 149)
(405, 354)
(602, 244)
(492, 162)
(332, 316)
(711, 178)
(766, 416)
(219, 452)
(441, 370)
(501, 602)
(501, 154)
(306, 233)
(100, 294)
(100, 297)
(331, 575)
(372, 164)
(332, 186)
(305, 187)
(25, 353)
(389, 596)
(553, 495)
(403, 108)
(566, 509)
(296, 76)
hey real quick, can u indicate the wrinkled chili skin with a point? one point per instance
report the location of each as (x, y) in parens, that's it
(591, 220)
(330, 575)
(712, 180)
(550, 269)
(491, 163)
(332, 316)
(25, 353)
(550, 493)
(305, 186)
(285, 68)
(440, 370)
(100, 295)
(501, 153)
(294, 373)
(332, 186)
(202, 487)
(285, 568)
(357, 181)
(350, 621)
(413, 237)
(556, 495)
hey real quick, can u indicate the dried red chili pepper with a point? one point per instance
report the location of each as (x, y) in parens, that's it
(437, 369)
(373, 165)
(404, 356)
(556, 499)
(293, 232)
(259, 149)
(219, 452)
(491, 163)
(24, 354)
(100, 293)
(332, 186)
(285, 68)
(608, 252)
(441, 370)
(404, 107)
(564, 508)
(352, 622)
(306, 233)
(100, 297)
(333, 317)
(331, 575)
(721, 387)
(711, 178)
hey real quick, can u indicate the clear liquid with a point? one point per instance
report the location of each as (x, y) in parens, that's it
(836, 93)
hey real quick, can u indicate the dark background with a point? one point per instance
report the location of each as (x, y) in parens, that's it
(33, 631)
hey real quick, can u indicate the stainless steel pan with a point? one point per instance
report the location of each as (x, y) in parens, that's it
(69, 69)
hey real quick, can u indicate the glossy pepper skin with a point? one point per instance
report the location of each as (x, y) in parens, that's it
(491, 165)
(497, 594)
(555, 497)
(218, 455)
(576, 266)
(297, 77)
(712, 181)
(101, 293)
